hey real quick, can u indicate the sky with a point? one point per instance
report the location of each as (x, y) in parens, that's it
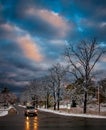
(33, 34)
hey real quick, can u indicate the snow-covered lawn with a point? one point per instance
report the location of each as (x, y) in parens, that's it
(92, 111)
(4, 111)
(64, 113)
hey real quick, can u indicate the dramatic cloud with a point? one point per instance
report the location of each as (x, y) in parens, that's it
(29, 48)
(33, 35)
(51, 18)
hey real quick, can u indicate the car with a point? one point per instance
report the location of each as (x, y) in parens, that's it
(30, 111)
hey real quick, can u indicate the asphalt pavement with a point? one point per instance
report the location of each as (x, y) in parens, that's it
(49, 121)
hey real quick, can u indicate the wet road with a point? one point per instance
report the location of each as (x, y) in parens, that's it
(47, 121)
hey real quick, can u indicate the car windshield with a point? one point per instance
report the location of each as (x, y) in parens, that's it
(30, 107)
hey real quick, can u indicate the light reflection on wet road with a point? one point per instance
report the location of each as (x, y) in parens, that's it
(47, 121)
(31, 123)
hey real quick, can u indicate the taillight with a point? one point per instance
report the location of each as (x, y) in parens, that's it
(27, 110)
(35, 110)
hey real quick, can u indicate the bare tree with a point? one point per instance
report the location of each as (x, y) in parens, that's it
(53, 88)
(82, 59)
(34, 92)
(46, 84)
(57, 74)
(7, 97)
(103, 84)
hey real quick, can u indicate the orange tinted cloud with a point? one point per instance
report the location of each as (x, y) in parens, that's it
(51, 18)
(7, 27)
(11, 28)
(29, 48)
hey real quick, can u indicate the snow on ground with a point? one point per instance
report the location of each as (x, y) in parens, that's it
(4, 111)
(72, 114)
(94, 107)
(21, 106)
(76, 114)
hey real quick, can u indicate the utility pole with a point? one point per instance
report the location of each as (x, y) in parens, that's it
(98, 99)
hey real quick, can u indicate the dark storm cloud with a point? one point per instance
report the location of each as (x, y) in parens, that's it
(89, 7)
(40, 28)
(92, 17)
(13, 58)
(54, 49)
(36, 25)
(14, 66)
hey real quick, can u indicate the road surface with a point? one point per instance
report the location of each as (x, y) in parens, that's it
(48, 121)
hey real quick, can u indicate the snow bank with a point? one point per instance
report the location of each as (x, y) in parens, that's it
(71, 114)
(4, 112)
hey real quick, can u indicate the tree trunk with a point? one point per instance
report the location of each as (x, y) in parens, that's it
(47, 100)
(54, 100)
(54, 105)
(85, 102)
(58, 100)
(58, 105)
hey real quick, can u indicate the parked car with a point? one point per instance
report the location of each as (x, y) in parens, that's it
(30, 111)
